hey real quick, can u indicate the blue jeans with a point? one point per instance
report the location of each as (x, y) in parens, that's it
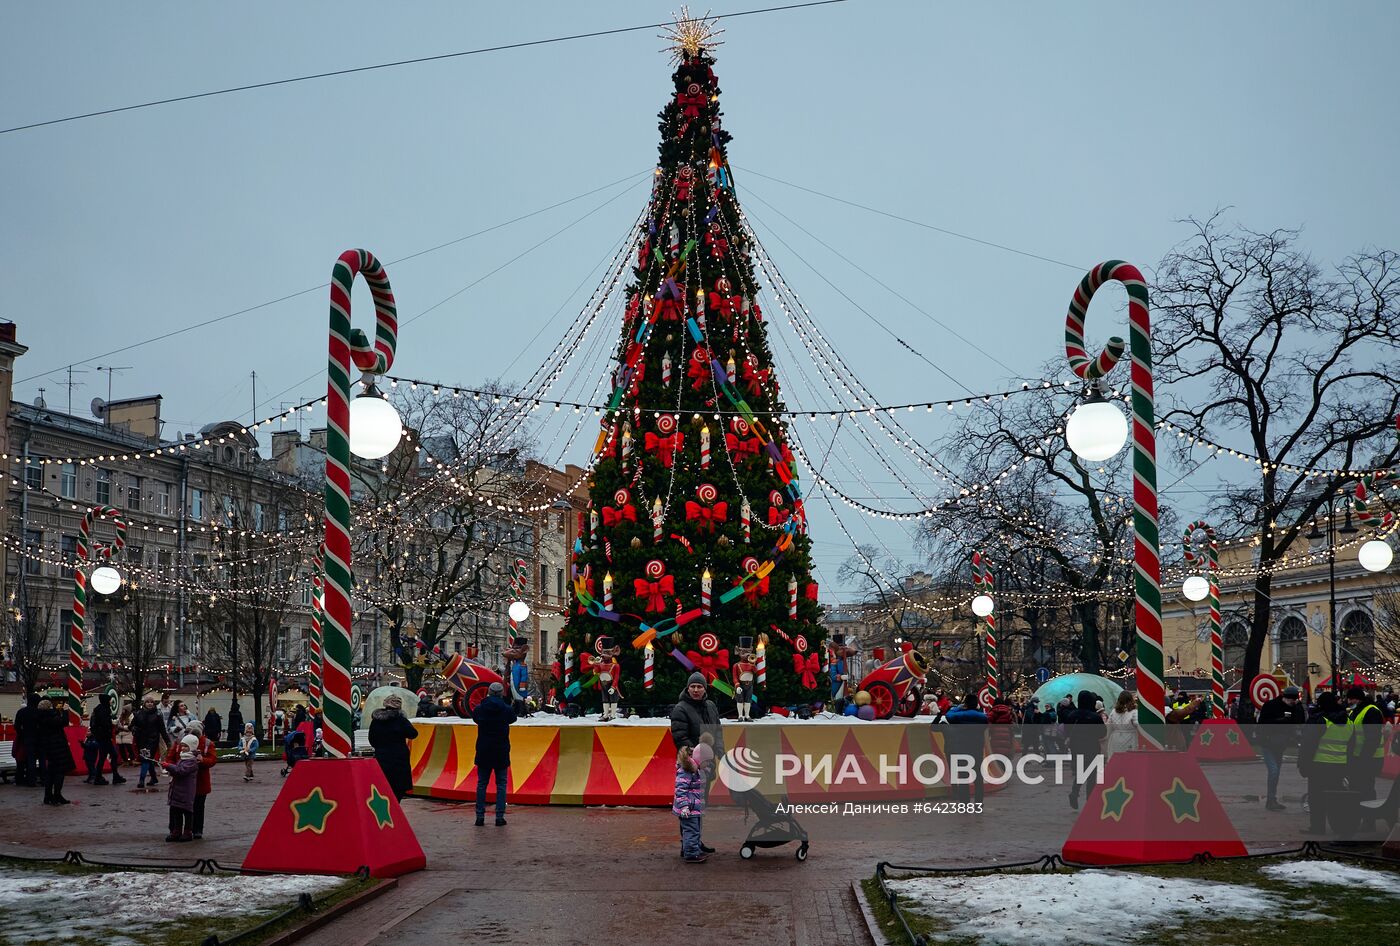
(148, 769)
(1273, 763)
(690, 835)
(483, 775)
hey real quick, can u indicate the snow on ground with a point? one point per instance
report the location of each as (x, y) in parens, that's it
(1306, 873)
(36, 905)
(1080, 907)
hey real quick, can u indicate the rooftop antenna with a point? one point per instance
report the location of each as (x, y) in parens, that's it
(72, 384)
(110, 369)
(39, 401)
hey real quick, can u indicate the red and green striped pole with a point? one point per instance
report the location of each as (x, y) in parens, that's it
(313, 696)
(1211, 558)
(87, 551)
(1147, 557)
(346, 345)
(982, 583)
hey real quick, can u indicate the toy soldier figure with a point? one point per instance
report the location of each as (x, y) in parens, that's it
(744, 674)
(609, 673)
(518, 674)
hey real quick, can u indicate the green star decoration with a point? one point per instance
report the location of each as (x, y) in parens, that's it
(1182, 801)
(378, 804)
(1233, 736)
(312, 812)
(1206, 737)
(1115, 800)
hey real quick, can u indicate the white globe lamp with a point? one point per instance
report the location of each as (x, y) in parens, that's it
(982, 605)
(375, 428)
(1096, 430)
(1375, 555)
(105, 580)
(1195, 588)
(519, 611)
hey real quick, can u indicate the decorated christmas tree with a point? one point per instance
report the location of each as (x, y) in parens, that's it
(694, 553)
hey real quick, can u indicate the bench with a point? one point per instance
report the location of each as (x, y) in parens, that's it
(8, 766)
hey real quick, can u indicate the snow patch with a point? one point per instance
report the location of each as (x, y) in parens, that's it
(35, 904)
(1307, 873)
(1016, 909)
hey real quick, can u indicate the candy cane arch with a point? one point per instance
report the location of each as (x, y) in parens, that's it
(87, 551)
(1211, 558)
(982, 580)
(346, 345)
(318, 604)
(1147, 557)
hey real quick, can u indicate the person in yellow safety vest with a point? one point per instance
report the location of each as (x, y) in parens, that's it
(1367, 752)
(1322, 757)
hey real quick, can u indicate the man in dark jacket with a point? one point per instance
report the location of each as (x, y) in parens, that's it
(235, 723)
(427, 709)
(967, 739)
(26, 749)
(213, 726)
(1366, 756)
(389, 733)
(1276, 732)
(103, 732)
(493, 717)
(693, 714)
(147, 733)
(1085, 730)
(50, 721)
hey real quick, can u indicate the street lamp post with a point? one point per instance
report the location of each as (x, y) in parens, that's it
(1090, 423)
(1211, 560)
(1333, 653)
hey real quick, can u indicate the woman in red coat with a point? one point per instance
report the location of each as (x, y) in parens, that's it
(1000, 732)
(206, 755)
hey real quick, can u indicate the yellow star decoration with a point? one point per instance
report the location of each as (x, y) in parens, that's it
(1115, 800)
(1182, 801)
(378, 805)
(312, 812)
(689, 35)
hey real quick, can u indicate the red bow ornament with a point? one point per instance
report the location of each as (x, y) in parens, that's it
(655, 591)
(756, 378)
(667, 310)
(643, 252)
(715, 240)
(665, 446)
(699, 368)
(752, 591)
(708, 515)
(614, 515)
(806, 668)
(812, 591)
(726, 306)
(634, 305)
(711, 665)
(742, 448)
(691, 102)
(777, 515)
(685, 180)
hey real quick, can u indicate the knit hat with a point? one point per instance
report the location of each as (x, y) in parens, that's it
(697, 677)
(190, 742)
(702, 754)
(1292, 691)
(195, 727)
(393, 702)
(496, 689)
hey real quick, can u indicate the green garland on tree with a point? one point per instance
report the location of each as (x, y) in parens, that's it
(693, 478)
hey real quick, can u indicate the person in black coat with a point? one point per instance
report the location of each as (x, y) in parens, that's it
(102, 731)
(53, 746)
(427, 709)
(235, 723)
(213, 725)
(1086, 731)
(1276, 731)
(693, 714)
(147, 733)
(493, 717)
(389, 732)
(26, 751)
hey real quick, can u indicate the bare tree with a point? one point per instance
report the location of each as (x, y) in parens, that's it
(1258, 341)
(143, 619)
(443, 548)
(27, 627)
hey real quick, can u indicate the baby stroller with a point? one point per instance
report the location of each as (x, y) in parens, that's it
(770, 828)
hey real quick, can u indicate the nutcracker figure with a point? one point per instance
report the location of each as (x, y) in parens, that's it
(518, 673)
(609, 674)
(838, 669)
(744, 673)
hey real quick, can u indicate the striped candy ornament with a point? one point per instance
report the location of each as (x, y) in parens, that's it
(87, 551)
(517, 593)
(648, 667)
(982, 583)
(318, 604)
(346, 345)
(1147, 557)
(1217, 646)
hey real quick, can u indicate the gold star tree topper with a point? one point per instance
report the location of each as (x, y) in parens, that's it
(691, 34)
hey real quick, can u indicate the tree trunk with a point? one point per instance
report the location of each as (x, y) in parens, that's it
(413, 677)
(1258, 631)
(1090, 656)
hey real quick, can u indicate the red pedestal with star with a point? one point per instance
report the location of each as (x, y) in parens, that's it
(334, 816)
(1151, 806)
(1221, 740)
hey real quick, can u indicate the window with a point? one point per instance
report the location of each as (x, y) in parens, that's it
(34, 546)
(68, 480)
(134, 555)
(162, 498)
(68, 545)
(282, 643)
(201, 560)
(230, 511)
(133, 493)
(559, 582)
(544, 578)
(197, 505)
(1236, 640)
(34, 473)
(101, 625)
(364, 651)
(104, 487)
(65, 623)
(1293, 647)
(258, 517)
(281, 520)
(1358, 641)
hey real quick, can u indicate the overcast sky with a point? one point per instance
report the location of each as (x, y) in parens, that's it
(1074, 131)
